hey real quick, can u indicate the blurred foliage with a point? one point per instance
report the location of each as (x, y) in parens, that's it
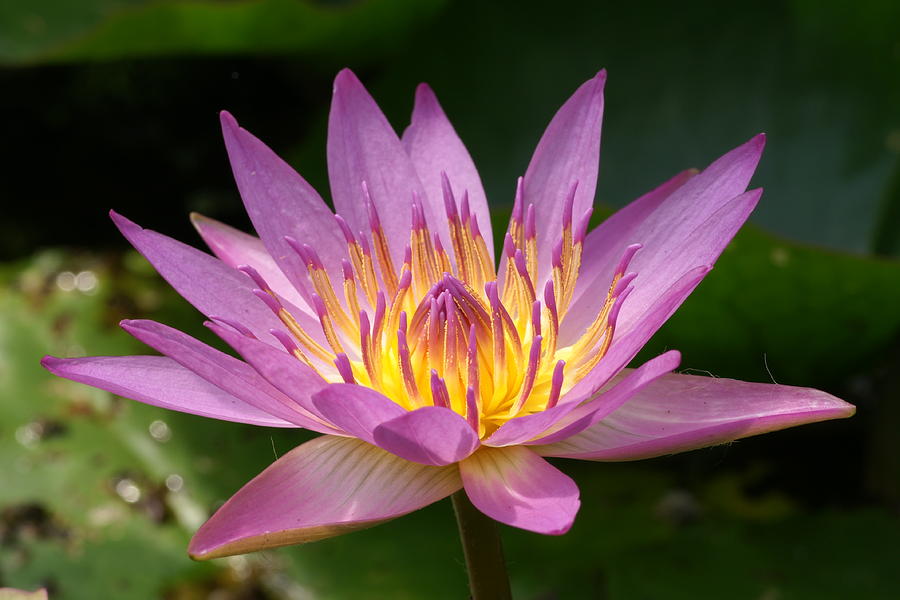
(115, 103)
(887, 241)
(687, 81)
(53, 31)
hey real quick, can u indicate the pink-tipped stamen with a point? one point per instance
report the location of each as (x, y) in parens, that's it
(344, 369)
(556, 383)
(439, 394)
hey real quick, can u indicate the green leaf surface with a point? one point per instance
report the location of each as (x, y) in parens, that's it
(775, 309)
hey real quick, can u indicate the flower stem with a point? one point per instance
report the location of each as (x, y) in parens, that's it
(483, 550)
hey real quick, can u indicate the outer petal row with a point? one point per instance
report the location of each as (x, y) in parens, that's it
(323, 488)
(281, 203)
(236, 248)
(214, 288)
(676, 413)
(226, 372)
(662, 221)
(160, 381)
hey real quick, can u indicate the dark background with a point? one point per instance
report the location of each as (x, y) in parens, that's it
(113, 104)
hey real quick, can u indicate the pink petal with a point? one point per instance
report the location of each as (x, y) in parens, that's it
(431, 435)
(160, 381)
(568, 153)
(626, 347)
(355, 409)
(603, 247)
(594, 410)
(213, 287)
(236, 248)
(521, 429)
(326, 487)
(647, 307)
(293, 378)
(579, 413)
(281, 203)
(664, 222)
(515, 486)
(434, 147)
(701, 247)
(362, 147)
(232, 375)
(682, 412)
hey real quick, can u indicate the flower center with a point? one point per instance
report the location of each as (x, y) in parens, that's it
(445, 332)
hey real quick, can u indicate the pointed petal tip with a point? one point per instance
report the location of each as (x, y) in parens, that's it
(424, 91)
(597, 83)
(754, 195)
(51, 363)
(756, 144)
(200, 222)
(426, 102)
(203, 552)
(841, 408)
(345, 78)
(227, 120)
(132, 325)
(124, 224)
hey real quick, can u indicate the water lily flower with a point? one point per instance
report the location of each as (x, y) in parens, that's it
(428, 363)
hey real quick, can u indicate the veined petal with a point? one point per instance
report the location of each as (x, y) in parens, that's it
(293, 378)
(603, 245)
(236, 248)
(355, 409)
(594, 410)
(213, 287)
(232, 375)
(662, 223)
(577, 414)
(568, 153)
(160, 381)
(362, 147)
(682, 412)
(646, 308)
(326, 487)
(521, 429)
(434, 147)
(515, 486)
(625, 348)
(431, 435)
(281, 203)
(701, 247)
